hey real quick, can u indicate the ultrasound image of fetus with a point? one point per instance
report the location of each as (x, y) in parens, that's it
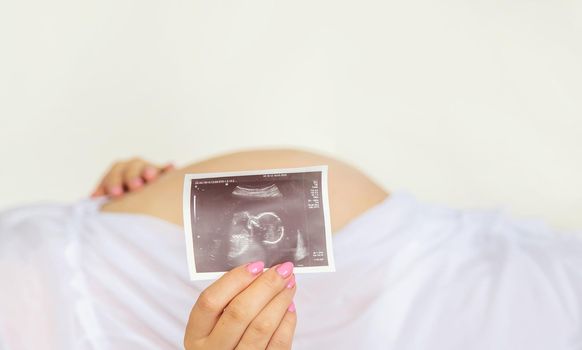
(262, 228)
(273, 218)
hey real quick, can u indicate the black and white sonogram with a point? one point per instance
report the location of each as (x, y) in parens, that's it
(274, 216)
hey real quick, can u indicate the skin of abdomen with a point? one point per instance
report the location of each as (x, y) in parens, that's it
(350, 191)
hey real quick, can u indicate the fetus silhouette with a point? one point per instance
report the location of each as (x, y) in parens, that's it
(259, 231)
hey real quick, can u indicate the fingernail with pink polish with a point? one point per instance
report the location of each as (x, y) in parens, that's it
(285, 269)
(116, 191)
(291, 282)
(135, 183)
(291, 307)
(256, 267)
(150, 173)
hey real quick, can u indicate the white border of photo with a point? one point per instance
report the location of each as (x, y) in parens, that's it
(188, 202)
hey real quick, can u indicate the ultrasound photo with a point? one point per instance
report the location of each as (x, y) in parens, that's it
(273, 215)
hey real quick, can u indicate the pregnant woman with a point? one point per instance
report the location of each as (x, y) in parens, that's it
(110, 272)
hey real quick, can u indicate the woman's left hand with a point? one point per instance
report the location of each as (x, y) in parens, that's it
(127, 176)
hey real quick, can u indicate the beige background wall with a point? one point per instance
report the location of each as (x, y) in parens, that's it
(470, 103)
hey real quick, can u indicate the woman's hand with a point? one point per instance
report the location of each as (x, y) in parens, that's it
(245, 309)
(127, 176)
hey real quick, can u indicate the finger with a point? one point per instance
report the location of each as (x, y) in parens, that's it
(132, 174)
(262, 328)
(283, 337)
(100, 191)
(100, 188)
(216, 297)
(152, 172)
(168, 167)
(113, 181)
(246, 306)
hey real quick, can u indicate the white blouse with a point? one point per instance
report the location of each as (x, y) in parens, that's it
(409, 276)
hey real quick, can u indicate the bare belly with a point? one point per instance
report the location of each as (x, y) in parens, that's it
(350, 191)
